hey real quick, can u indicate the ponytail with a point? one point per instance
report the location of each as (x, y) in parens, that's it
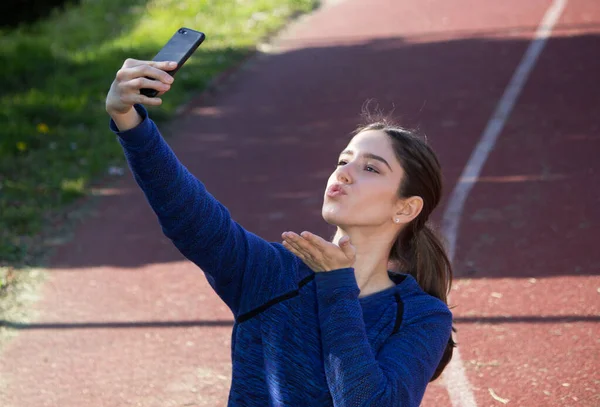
(421, 253)
(418, 250)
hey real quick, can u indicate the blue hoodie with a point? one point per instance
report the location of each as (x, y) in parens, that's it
(300, 338)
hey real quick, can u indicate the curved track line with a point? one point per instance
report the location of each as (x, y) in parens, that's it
(455, 377)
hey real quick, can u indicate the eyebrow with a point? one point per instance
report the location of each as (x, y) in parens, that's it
(369, 155)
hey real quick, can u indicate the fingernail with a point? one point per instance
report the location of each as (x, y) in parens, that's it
(172, 64)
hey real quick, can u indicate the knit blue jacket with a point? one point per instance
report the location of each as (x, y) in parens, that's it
(299, 338)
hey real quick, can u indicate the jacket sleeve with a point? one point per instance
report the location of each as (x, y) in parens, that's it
(399, 373)
(243, 269)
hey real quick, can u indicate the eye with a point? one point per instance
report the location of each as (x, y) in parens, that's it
(368, 168)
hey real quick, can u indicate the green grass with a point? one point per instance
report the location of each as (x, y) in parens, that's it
(54, 137)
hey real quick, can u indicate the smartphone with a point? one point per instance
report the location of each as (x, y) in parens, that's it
(179, 48)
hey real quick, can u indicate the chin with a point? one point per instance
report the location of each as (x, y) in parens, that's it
(332, 215)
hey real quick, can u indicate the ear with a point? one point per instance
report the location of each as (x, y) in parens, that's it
(408, 209)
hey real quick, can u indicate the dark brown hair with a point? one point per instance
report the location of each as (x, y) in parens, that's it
(418, 249)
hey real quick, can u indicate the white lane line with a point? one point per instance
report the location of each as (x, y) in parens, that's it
(455, 377)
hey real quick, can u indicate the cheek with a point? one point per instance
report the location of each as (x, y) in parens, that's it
(364, 206)
(373, 205)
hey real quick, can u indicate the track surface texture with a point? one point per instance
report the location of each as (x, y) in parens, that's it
(124, 320)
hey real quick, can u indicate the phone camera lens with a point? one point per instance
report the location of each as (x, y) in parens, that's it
(182, 31)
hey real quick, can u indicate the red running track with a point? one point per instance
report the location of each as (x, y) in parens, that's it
(124, 321)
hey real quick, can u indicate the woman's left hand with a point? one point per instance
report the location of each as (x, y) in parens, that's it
(319, 254)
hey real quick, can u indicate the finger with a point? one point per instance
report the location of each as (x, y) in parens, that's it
(145, 100)
(301, 245)
(127, 74)
(162, 65)
(290, 247)
(348, 249)
(142, 83)
(294, 250)
(344, 240)
(131, 62)
(292, 242)
(307, 260)
(134, 98)
(317, 241)
(299, 241)
(155, 73)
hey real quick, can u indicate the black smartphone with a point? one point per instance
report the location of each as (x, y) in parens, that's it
(179, 48)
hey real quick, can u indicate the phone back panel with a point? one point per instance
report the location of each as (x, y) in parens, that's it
(180, 47)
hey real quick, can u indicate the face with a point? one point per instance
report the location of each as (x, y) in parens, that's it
(363, 190)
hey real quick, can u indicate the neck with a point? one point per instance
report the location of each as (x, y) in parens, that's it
(372, 256)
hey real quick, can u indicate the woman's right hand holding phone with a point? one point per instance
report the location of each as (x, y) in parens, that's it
(125, 89)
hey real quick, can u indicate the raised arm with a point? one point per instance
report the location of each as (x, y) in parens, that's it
(244, 270)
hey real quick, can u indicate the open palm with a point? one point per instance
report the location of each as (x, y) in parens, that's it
(319, 254)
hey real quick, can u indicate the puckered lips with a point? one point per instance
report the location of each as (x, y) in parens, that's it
(335, 190)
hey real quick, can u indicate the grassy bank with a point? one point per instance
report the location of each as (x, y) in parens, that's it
(54, 138)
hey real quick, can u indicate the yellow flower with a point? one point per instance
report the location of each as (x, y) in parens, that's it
(43, 128)
(21, 146)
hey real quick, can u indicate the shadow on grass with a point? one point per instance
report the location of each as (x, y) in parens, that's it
(266, 146)
(16, 12)
(52, 109)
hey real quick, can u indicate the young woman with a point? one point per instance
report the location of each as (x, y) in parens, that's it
(317, 323)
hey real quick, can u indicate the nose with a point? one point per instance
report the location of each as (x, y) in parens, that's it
(343, 174)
